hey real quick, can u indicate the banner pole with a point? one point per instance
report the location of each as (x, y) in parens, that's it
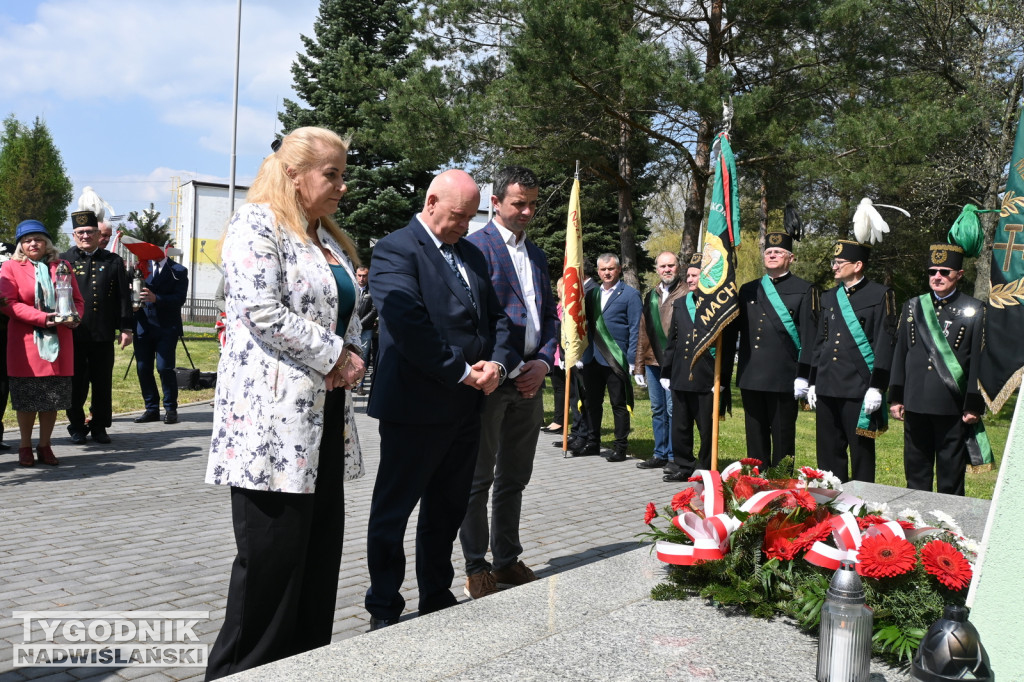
(715, 406)
(565, 412)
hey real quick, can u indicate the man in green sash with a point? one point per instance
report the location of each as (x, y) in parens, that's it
(613, 327)
(850, 366)
(778, 321)
(692, 384)
(650, 354)
(934, 383)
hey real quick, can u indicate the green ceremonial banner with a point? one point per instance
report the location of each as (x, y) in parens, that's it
(717, 298)
(1002, 363)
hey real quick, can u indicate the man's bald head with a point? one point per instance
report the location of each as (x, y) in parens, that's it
(452, 201)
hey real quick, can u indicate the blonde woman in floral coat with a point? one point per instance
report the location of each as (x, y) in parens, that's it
(283, 437)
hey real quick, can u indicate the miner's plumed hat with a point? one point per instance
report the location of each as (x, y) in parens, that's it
(27, 227)
(695, 260)
(778, 240)
(847, 249)
(942, 255)
(83, 219)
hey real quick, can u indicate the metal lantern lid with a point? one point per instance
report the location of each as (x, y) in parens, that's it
(952, 650)
(845, 586)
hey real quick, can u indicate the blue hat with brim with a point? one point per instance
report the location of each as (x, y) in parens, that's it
(27, 227)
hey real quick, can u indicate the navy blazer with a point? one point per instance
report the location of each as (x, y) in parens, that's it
(429, 330)
(622, 316)
(171, 289)
(510, 294)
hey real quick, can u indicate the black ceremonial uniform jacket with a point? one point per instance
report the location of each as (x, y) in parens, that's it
(915, 383)
(837, 368)
(768, 358)
(679, 350)
(103, 281)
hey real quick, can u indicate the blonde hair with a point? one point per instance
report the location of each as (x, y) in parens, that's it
(300, 150)
(50, 254)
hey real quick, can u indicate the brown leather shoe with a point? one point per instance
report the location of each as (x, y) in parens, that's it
(480, 585)
(25, 457)
(45, 454)
(516, 574)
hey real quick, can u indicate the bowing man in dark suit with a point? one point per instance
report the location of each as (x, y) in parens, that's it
(508, 442)
(934, 381)
(157, 328)
(441, 348)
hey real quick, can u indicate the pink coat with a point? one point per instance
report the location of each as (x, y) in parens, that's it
(18, 287)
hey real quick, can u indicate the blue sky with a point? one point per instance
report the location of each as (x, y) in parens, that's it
(136, 92)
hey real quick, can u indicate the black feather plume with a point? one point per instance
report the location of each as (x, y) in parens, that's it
(791, 222)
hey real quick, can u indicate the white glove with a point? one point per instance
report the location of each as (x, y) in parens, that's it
(640, 380)
(631, 368)
(812, 398)
(872, 400)
(800, 387)
(665, 384)
(579, 364)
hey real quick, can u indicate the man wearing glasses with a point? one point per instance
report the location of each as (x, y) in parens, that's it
(934, 384)
(103, 281)
(850, 367)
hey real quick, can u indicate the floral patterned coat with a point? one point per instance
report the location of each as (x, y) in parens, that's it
(282, 310)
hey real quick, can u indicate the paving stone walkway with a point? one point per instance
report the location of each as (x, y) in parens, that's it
(131, 526)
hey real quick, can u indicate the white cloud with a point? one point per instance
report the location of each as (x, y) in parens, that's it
(82, 50)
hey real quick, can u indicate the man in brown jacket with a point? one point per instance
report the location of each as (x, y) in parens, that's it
(657, 320)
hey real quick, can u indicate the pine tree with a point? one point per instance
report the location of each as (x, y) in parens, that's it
(358, 52)
(33, 183)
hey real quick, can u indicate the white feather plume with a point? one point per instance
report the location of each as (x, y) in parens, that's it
(868, 224)
(90, 201)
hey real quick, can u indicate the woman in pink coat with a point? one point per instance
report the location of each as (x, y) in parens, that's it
(40, 354)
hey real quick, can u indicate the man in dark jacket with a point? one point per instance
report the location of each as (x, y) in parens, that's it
(158, 328)
(934, 382)
(367, 313)
(103, 281)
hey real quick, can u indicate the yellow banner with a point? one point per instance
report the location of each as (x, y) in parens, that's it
(574, 318)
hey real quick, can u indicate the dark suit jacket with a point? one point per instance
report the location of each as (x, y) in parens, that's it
(768, 358)
(914, 382)
(429, 330)
(365, 309)
(103, 281)
(171, 289)
(679, 349)
(622, 316)
(838, 369)
(510, 294)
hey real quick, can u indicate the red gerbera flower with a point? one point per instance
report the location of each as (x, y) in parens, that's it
(802, 498)
(906, 525)
(683, 498)
(778, 538)
(947, 564)
(751, 462)
(742, 490)
(695, 478)
(864, 522)
(811, 473)
(650, 513)
(880, 557)
(819, 532)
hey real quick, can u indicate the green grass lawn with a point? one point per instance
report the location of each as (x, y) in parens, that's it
(732, 443)
(126, 395)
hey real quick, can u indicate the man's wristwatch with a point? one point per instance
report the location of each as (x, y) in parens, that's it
(501, 373)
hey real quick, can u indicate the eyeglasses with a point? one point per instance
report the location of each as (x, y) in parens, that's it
(837, 263)
(945, 272)
(85, 233)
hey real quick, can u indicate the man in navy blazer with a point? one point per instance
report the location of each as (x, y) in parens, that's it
(442, 341)
(614, 310)
(157, 329)
(509, 433)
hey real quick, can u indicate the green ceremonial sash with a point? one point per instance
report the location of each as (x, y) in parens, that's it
(609, 349)
(952, 375)
(655, 307)
(864, 425)
(781, 311)
(691, 307)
